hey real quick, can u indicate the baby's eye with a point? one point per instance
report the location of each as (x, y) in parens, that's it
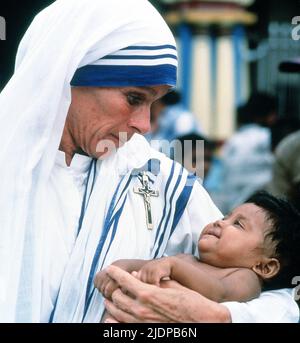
(238, 224)
(134, 99)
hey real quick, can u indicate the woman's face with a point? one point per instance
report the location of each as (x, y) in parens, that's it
(103, 118)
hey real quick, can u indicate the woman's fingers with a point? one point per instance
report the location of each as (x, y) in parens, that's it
(129, 310)
(145, 305)
(119, 315)
(110, 320)
(171, 284)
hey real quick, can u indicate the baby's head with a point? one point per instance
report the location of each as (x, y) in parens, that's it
(263, 234)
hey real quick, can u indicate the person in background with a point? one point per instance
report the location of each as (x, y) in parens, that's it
(283, 127)
(247, 157)
(195, 152)
(286, 168)
(170, 119)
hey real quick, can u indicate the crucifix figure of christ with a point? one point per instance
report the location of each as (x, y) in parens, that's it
(147, 193)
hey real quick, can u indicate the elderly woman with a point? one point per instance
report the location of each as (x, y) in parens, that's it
(86, 75)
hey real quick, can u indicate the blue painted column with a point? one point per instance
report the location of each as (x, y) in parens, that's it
(185, 35)
(213, 72)
(238, 36)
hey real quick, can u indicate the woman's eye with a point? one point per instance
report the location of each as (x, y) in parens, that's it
(134, 99)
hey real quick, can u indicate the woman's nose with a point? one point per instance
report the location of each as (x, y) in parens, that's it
(140, 120)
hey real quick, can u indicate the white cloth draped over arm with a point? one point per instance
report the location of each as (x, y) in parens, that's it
(271, 307)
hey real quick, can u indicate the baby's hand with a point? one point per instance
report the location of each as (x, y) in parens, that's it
(153, 271)
(105, 284)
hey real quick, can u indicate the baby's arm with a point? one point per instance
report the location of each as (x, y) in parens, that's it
(240, 285)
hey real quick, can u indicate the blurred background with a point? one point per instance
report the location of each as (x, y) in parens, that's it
(230, 92)
(227, 50)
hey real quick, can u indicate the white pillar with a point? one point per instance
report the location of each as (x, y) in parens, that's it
(201, 88)
(225, 97)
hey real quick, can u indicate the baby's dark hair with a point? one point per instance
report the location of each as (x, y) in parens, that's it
(285, 232)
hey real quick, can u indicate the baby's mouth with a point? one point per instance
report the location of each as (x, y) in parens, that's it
(213, 232)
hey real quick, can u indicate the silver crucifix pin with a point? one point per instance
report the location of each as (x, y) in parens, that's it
(147, 193)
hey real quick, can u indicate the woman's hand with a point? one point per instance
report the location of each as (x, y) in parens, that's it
(136, 302)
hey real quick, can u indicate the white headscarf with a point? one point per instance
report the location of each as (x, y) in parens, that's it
(65, 36)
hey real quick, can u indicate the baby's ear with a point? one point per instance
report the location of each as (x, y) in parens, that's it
(267, 268)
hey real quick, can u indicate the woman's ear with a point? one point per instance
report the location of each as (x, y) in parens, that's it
(268, 268)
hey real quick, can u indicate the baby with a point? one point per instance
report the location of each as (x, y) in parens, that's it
(255, 247)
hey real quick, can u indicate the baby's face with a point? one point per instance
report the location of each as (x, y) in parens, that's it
(236, 240)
